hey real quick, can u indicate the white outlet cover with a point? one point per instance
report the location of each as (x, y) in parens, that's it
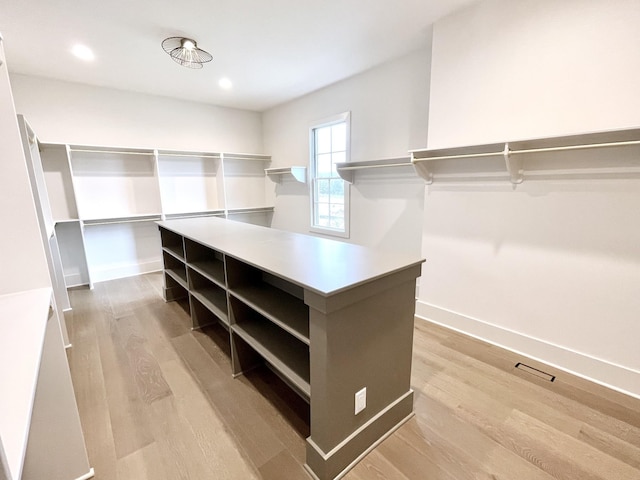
(361, 400)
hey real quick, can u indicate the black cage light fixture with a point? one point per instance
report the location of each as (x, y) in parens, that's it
(185, 51)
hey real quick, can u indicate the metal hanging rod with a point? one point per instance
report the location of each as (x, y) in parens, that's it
(530, 150)
(191, 155)
(236, 211)
(465, 155)
(257, 158)
(387, 165)
(88, 223)
(576, 147)
(121, 152)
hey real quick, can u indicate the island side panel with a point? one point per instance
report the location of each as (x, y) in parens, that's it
(367, 342)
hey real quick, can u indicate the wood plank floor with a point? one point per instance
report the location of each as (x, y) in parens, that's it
(157, 401)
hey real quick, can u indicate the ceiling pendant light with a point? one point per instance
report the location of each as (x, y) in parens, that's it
(185, 51)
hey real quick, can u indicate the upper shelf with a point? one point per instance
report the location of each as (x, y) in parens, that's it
(299, 173)
(512, 155)
(346, 170)
(247, 156)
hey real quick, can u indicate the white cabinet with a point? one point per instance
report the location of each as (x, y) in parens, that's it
(104, 202)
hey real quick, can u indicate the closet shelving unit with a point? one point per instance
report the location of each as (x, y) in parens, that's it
(105, 201)
(347, 170)
(608, 154)
(298, 173)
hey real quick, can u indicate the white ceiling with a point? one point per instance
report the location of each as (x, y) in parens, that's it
(272, 50)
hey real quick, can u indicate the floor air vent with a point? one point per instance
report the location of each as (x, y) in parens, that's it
(535, 371)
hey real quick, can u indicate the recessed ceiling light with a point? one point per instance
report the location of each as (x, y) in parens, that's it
(225, 83)
(83, 52)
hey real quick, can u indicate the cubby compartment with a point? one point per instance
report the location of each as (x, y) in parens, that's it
(59, 181)
(190, 182)
(202, 315)
(206, 261)
(121, 249)
(209, 294)
(113, 183)
(285, 354)
(172, 243)
(175, 290)
(278, 300)
(72, 252)
(175, 269)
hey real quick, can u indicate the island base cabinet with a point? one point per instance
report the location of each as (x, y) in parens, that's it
(328, 318)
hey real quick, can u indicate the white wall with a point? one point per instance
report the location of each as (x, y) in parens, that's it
(65, 112)
(388, 106)
(23, 265)
(552, 268)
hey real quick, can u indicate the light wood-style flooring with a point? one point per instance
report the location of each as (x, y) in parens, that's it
(157, 402)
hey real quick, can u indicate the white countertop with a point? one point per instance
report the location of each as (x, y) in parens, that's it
(23, 322)
(319, 264)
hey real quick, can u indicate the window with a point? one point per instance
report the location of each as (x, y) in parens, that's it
(329, 193)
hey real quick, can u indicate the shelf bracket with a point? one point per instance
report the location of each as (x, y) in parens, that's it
(422, 169)
(514, 166)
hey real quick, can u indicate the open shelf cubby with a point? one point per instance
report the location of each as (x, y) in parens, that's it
(206, 261)
(202, 315)
(175, 269)
(59, 181)
(278, 300)
(209, 294)
(190, 182)
(172, 243)
(287, 355)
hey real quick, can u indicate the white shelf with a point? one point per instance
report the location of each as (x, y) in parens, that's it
(143, 217)
(23, 321)
(298, 173)
(347, 170)
(207, 213)
(578, 156)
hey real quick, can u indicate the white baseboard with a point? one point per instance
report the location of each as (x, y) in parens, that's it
(86, 476)
(617, 377)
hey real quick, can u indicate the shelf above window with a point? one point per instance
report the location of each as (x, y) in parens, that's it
(545, 157)
(347, 170)
(298, 173)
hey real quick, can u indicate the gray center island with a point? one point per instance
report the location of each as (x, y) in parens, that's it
(328, 317)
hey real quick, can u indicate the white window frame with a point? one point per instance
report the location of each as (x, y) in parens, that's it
(340, 118)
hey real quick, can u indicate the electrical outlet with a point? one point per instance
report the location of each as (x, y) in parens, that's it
(361, 400)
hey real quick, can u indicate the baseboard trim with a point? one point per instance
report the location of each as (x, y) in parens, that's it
(86, 476)
(616, 377)
(335, 463)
